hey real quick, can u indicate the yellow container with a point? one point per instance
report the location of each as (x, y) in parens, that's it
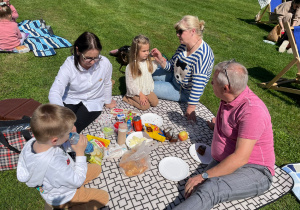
(106, 142)
(155, 132)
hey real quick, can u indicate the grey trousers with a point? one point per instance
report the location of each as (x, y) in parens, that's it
(247, 181)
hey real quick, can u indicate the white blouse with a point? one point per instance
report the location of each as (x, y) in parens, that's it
(92, 87)
(143, 84)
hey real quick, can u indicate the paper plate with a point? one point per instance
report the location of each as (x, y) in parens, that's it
(173, 168)
(139, 134)
(206, 158)
(152, 119)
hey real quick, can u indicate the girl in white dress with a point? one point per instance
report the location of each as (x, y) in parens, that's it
(138, 74)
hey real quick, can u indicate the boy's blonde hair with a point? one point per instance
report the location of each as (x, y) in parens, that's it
(190, 22)
(5, 11)
(136, 44)
(50, 120)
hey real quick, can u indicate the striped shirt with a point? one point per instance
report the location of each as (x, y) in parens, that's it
(192, 72)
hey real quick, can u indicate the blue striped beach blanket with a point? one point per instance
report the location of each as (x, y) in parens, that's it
(39, 40)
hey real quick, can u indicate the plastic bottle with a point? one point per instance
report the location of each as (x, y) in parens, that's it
(74, 138)
(137, 123)
(122, 131)
(129, 126)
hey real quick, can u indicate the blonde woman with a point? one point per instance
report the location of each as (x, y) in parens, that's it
(184, 77)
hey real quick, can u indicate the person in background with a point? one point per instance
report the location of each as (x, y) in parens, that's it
(14, 13)
(138, 74)
(242, 147)
(83, 82)
(43, 164)
(287, 12)
(184, 77)
(10, 35)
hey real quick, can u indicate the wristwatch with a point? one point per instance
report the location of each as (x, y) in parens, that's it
(205, 175)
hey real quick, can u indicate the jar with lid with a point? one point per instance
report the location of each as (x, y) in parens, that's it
(122, 131)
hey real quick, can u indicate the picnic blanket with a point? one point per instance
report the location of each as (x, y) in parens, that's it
(40, 41)
(151, 190)
(293, 169)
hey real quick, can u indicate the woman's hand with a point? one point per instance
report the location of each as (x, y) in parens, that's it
(143, 99)
(190, 113)
(158, 57)
(80, 146)
(112, 104)
(191, 185)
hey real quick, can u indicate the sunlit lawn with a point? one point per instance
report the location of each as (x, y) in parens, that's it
(229, 31)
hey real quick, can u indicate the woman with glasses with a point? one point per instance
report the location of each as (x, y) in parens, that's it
(184, 77)
(83, 82)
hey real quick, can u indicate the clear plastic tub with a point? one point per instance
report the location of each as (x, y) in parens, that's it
(108, 130)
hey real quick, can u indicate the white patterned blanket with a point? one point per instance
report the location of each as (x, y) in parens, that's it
(151, 190)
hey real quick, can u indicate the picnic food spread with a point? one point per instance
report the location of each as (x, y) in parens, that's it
(183, 135)
(155, 132)
(137, 132)
(201, 149)
(134, 162)
(108, 131)
(136, 140)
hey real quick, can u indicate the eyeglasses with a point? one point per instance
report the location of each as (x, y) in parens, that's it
(225, 70)
(91, 59)
(180, 31)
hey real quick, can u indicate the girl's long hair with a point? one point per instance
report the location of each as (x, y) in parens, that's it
(137, 42)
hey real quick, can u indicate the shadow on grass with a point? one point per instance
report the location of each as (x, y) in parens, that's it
(122, 86)
(264, 75)
(266, 27)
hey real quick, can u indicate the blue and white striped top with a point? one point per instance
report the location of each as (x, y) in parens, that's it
(192, 72)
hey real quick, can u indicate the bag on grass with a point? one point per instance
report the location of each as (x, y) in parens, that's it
(275, 34)
(137, 160)
(13, 136)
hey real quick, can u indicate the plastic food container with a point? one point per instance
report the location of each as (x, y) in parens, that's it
(108, 130)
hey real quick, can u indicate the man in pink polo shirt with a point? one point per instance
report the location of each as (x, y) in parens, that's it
(242, 146)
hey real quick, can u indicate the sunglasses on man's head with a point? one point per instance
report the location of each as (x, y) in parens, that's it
(225, 69)
(88, 59)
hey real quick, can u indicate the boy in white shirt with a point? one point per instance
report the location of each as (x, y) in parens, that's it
(44, 165)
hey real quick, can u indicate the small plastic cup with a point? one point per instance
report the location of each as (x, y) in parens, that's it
(108, 130)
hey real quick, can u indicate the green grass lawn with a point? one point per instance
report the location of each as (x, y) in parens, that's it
(229, 31)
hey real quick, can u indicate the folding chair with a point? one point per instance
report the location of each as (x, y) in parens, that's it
(270, 10)
(294, 40)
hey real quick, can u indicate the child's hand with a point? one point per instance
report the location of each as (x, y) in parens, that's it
(143, 99)
(80, 146)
